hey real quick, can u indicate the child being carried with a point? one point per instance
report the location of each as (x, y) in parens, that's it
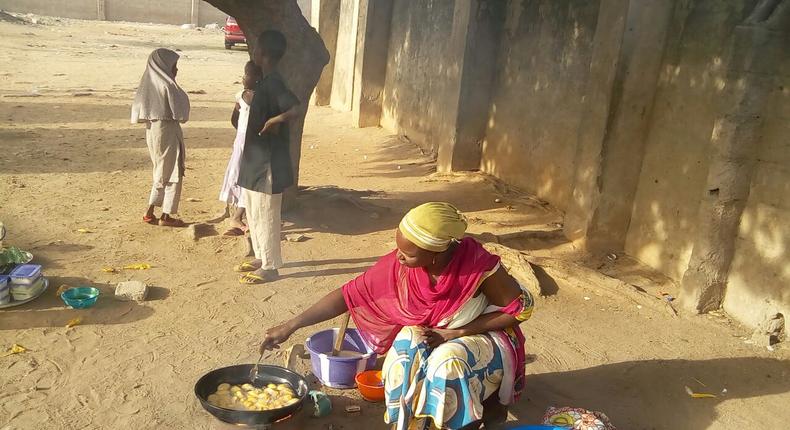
(231, 193)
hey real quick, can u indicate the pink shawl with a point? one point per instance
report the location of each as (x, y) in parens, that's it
(390, 296)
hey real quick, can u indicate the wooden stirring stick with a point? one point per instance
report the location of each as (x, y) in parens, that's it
(341, 334)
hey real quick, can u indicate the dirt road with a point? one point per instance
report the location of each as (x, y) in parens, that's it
(70, 160)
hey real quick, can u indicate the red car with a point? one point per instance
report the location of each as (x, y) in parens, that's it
(233, 33)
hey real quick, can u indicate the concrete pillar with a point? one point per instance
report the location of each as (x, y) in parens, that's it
(370, 64)
(477, 26)
(626, 61)
(345, 56)
(101, 13)
(325, 18)
(756, 49)
(194, 14)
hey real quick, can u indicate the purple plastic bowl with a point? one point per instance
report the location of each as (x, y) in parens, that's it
(339, 372)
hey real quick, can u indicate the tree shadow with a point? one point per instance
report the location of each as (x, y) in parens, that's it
(652, 394)
(324, 272)
(328, 262)
(340, 211)
(49, 310)
(55, 147)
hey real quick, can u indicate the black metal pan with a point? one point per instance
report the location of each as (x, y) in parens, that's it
(240, 374)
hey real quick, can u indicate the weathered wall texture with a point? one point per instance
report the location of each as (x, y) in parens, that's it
(759, 281)
(156, 11)
(536, 105)
(675, 166)
(345, 54)
(420, 73)
(662, 76)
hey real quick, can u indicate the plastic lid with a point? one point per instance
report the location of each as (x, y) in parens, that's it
(26, 271)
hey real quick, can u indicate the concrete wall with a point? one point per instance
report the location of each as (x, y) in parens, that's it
(157, 11)
(535, 112)
(78, 9)
(677, 150)
(655, 75)
(420, 73)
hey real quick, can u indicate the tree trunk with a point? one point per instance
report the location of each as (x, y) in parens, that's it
(755, 50)
(303, 62)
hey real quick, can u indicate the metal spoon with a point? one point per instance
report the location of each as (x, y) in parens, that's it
(254, 370)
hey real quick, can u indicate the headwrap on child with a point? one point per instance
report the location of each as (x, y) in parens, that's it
(158, 96)
(433, 226)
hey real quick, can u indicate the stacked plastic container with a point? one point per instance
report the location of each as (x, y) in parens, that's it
(5, 290)
(26, 282)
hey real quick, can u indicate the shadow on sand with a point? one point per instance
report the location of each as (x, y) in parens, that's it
(651, 394)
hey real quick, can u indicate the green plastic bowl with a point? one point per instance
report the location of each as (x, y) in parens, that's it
(80, 297)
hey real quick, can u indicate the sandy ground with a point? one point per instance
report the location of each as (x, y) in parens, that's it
(74, 162)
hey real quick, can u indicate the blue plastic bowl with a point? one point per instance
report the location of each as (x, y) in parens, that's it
(80, 297)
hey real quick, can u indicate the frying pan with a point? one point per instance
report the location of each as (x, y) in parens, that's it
(240, 374)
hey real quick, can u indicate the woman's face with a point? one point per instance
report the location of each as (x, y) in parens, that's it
(175, 70)
(410, 255)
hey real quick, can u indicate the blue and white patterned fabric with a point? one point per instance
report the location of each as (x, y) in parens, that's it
(447, 384)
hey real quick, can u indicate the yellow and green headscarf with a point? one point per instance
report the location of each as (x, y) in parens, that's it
(433, 226)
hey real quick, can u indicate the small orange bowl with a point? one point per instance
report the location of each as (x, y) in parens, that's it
(370, 385)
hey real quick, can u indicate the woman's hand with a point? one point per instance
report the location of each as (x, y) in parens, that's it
(275, 336)
(434, 337)
(330, 306)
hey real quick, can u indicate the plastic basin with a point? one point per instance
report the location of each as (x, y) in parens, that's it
(370, 385)
(339, 372)
(80, 297)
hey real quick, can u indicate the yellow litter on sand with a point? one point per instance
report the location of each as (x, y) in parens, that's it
(138, 266)
(699, 395)
(15, 349)
(74, 321)
(108, 269)
(83, 230)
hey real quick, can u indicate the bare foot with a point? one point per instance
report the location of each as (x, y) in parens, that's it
(237, 224)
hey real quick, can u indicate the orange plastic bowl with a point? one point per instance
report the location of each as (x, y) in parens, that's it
(370, 385)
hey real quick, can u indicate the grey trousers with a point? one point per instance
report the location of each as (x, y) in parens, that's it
(167, 198)
(263, 218)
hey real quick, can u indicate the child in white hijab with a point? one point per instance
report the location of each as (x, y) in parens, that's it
(162, 106)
